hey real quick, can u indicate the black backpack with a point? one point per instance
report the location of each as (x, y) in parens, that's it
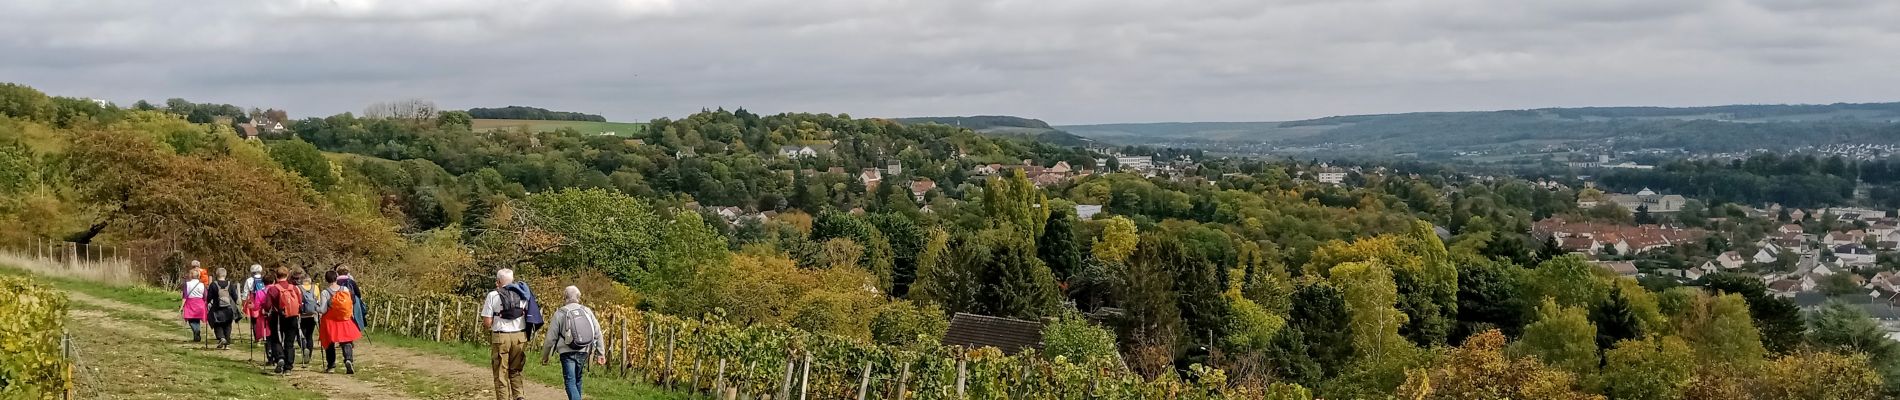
(511, 304)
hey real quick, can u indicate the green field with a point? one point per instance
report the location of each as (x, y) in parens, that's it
(584, 127)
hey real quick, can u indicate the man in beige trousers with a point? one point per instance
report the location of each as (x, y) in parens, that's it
(504, 312)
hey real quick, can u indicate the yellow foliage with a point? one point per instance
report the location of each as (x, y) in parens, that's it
(1479, 370)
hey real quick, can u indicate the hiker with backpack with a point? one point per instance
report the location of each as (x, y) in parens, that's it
(307, 317)
(505, 313)
(574, 334)
(224, 309)
(253, 299)
(282, 304)
(193, 307)
(337, 305)
(356, 292)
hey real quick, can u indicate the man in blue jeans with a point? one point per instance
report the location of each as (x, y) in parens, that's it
(574, 334)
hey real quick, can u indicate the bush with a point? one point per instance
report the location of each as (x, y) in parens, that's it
(32, 365)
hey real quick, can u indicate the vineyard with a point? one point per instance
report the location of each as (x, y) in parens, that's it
(34, 363)
(730, 361)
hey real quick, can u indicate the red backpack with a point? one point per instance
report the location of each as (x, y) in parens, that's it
(289, 300)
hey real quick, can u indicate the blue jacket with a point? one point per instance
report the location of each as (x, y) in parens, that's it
(534, 307)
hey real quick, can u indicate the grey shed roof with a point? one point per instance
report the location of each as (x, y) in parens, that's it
(1009, 335)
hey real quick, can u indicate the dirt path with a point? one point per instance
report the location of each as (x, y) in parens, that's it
(402, 370)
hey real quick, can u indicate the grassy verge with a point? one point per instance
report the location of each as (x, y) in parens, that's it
(137, 295)
(598, 385)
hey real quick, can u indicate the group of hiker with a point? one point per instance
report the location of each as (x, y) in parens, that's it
(512, 316)
(287, 309)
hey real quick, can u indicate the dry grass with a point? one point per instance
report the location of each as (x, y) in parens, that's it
(110, 271)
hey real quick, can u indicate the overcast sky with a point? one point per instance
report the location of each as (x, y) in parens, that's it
(1064, 61)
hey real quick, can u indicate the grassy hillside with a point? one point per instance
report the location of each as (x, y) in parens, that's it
(584, 127)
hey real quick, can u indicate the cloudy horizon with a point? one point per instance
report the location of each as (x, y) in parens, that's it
(1062, 61)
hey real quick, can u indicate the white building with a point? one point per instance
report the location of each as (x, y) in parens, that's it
(1332, 177)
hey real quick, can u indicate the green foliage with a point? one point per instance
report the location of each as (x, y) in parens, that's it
(303, 158)
(1011, 202)
(1653, 368)
(1615, 320)
(1846, 328)
(1570, 280)
(1117, 240)
(903, 323)
(1058, 247)
(1077, 340)
(1779, 321)
(1721, 332)
(1369, 294)
(1562, 337)
(1017, 284)
(34, 365)
(591, 230)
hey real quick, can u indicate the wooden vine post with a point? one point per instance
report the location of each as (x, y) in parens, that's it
(864, 383)
(903, 382)
(804, 383)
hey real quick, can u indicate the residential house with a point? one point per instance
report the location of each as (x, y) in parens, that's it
(1797, 214)
(1836, 238)
(1730, 260)
(894, 168)
(249, 131)
(797, 151)
(1579, 245)
(1765, 254)
(1621, 268)
(1061, 167)
(984, 170)
(1854, 255)
(870, 177)
(1693, 273)
(1048, 179)
(1790, 229)
(921, 186)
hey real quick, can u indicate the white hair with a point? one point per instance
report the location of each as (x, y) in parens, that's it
(194, 263)
(505, 276)
(257, 268)
(573, 294)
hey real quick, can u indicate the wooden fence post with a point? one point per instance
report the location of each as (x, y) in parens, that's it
(963, 373)
(785, 389)
(439, 309)
(903, 382)
(666, 377)
(864, 383)
(719, 379)
(804, 383)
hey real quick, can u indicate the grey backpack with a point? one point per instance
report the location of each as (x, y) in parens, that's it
(581, 330)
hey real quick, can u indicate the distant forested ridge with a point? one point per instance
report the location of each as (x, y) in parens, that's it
(1695, 129)
(980, 122)
(537, 113)
(1006, 126)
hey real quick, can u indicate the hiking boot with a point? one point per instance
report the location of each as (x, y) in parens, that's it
(349, 368)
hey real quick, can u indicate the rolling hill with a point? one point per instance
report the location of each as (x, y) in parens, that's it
(584, 127)
(1696, 129)
(1006, 126)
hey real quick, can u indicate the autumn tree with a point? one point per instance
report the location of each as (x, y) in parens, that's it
(1117, 240)
(1479, 369)
(1846, 328)
(1561, 336)
(1369, 295)
(1652, 368)
(1010, 201)
(1721, 332)
(1778, 319)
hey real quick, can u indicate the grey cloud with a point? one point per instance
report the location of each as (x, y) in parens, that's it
(1066, 61)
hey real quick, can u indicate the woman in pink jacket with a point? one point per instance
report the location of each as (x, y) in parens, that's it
(194, 308)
